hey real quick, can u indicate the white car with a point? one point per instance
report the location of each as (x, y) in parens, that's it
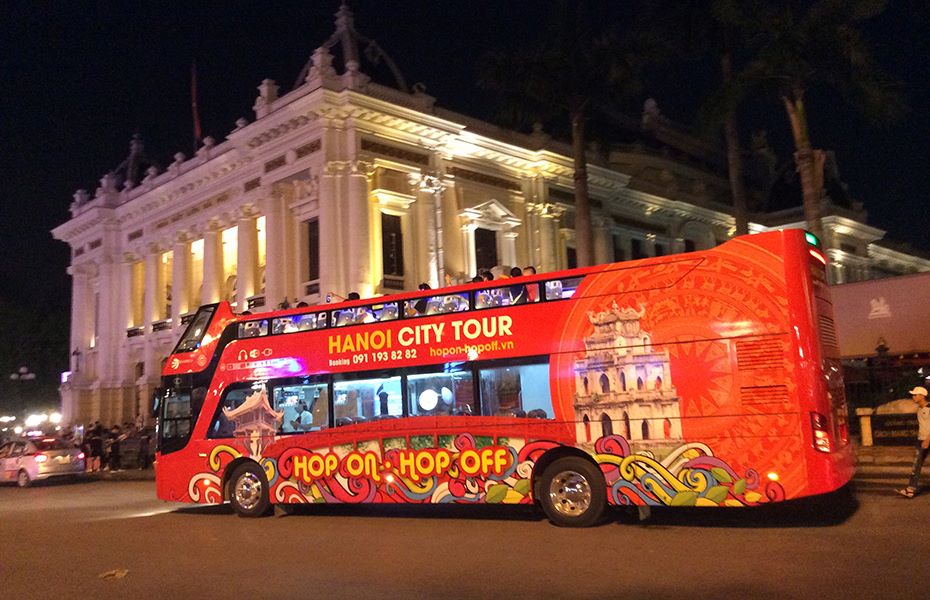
(25, 461)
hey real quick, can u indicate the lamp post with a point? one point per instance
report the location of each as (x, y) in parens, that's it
(431, 182)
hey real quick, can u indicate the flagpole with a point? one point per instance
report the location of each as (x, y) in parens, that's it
(195, 112)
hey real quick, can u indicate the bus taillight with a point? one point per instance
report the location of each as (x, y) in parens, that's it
(818, 256)
(821, 437)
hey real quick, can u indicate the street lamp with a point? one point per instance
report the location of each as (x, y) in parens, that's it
(21, 375)
(431, 182)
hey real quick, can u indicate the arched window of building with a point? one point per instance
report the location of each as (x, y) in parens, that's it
(639, 383)
(607, 428)
(585, 383)
(587, 428)
(645, 429)
(626, 425)
(623, 381)
(605, 383)
(658, 383)
(667, 428)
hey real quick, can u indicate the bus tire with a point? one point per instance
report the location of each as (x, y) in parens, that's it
(572, 492)
(248, 491)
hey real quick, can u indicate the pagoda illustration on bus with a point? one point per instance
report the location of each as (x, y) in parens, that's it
(623, 385)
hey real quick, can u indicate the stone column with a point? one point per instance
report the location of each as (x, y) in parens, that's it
(602, 242)
(548, 225)
(471, 260)
(112, 328)
(509, 247)
(212, 265)
(180, 281)
(332, 235)
(81, 303)
(359, 241)
(649, 245)
(865, 425)
(246, 260)
(427, 265)
(126, 300)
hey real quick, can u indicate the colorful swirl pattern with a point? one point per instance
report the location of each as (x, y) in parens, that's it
(688, 476)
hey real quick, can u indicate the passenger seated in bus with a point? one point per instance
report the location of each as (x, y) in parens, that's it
(388, 313)
(517, 292)
(304, 420)
(364, 314)
(345, 317)
(433, 307)
(511, 412)
(532, 290)
(420, 305)
(537, 413)
(462, 409)
(452, 304)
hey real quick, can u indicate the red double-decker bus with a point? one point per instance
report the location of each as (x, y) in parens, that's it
(703, 379)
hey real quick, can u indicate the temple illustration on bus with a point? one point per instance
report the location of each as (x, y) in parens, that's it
(623, 382)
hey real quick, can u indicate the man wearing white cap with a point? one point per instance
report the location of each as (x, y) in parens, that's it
(919, 395)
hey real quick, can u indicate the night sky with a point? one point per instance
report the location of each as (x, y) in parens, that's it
(79, 78)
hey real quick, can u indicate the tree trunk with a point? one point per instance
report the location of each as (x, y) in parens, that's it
(807, 161)
(734, 157)
(583, 233)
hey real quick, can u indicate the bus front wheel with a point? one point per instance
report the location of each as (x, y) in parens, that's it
(572, 492)
(248, 491)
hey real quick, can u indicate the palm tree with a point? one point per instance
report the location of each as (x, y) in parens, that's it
(717, 29)
(801, 48)
(578, 65)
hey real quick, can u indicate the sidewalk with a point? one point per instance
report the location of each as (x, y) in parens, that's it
(885, 455)
(125, 475)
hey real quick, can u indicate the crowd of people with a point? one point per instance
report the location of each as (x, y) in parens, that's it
(125, 446)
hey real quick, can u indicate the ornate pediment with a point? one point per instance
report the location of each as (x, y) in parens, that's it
(492, 215)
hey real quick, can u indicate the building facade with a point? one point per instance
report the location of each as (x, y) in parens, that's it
(343, 184)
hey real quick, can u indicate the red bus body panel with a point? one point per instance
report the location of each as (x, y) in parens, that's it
(731, 338)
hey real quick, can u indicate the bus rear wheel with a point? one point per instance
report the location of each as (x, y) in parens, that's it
(572, 492)
(248, 491)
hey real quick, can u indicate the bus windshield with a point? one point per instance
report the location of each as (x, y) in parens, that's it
(192, 337)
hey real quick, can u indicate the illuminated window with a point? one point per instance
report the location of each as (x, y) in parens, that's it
(360, 400)
(260, 262)
(446, 392)
(230, 240)
(305, 406)
(163, 295)
(519, 390)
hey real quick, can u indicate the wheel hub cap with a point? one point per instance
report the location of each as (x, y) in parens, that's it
(248, 491)
(570, 493)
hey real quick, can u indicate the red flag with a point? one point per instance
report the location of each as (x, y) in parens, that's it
(198, 134)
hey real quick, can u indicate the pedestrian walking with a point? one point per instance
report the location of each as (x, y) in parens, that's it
(919, 395)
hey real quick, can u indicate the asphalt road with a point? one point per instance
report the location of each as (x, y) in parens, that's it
(112, 539)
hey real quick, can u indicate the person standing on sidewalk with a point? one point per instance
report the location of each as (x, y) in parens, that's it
(919, 395)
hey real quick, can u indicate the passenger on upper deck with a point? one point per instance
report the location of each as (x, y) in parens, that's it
(518, 293)
(420, 305)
